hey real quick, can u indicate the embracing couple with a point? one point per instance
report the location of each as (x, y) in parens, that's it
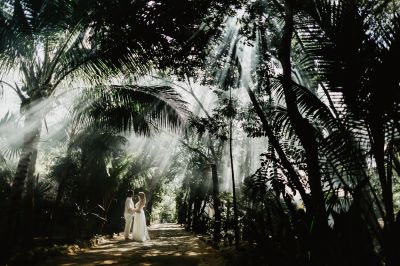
(135, 212)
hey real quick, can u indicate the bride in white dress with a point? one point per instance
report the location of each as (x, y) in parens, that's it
(140, 232)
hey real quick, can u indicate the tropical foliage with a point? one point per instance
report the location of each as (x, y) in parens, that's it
(282, 120)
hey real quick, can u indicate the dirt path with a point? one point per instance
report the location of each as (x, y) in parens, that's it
(170, 244)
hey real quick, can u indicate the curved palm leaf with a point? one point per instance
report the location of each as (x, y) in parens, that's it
(9, 148)
(129, 107)
(49, 41)
(356, 61)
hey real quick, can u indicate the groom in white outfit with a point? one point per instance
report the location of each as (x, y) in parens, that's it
(128, 213)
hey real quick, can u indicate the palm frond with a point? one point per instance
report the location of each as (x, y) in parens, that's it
(98, 143)
(9, 148)
(50, 41)
(133, 108)
(352, 59)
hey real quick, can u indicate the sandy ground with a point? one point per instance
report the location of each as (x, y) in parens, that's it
(170, 244)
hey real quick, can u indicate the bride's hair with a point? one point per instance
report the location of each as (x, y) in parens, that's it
(142, 197)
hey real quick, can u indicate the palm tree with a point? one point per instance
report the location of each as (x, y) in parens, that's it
(141, 109)
(50, 43)
(122, 109)
(339, 48)
(357, 63)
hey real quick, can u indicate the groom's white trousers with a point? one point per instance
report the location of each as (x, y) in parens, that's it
(128, 225)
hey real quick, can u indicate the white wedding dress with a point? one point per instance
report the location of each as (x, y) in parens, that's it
(140, 232)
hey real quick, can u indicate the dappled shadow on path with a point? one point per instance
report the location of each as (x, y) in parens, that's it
(170, 244)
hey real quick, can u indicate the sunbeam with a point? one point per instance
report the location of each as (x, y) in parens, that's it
(203, 132)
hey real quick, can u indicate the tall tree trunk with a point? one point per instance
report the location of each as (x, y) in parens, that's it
(378, 149)
(235, 214)
(29, 219)
(306, 134)
(25, 167)
(217, 204)
(149, 210)
(387, 191)
(292, 174)
(248, 160)
(182, 209)
(196, 213)
(189, 218)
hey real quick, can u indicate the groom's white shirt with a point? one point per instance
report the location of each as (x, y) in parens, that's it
(129, 206)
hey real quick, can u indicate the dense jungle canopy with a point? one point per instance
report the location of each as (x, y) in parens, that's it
(269, 127)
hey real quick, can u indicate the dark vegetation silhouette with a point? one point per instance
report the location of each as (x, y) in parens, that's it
(313, 83)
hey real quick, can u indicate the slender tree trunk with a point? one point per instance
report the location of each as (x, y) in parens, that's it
(149, 210)
(247, 160)
(182, 210)
(217, 204)
(306, 134)
(391, 234)
(292, 174)
(189, 218)
(235, 214)
(196, 212)
(378, 149)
